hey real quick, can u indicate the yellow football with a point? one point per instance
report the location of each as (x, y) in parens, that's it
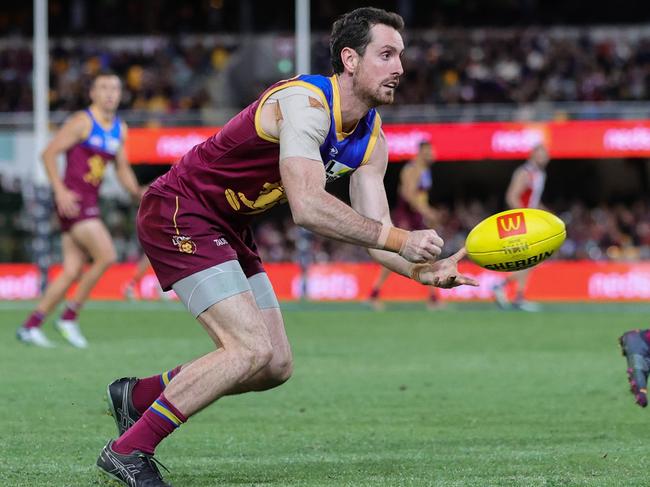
(515, 239)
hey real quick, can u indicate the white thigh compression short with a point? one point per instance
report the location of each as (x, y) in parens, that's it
(201, 290)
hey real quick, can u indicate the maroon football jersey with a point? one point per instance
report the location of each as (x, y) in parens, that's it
(197, 215)
(235, 174)
(87, 160)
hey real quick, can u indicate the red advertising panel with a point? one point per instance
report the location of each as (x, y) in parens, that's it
(553, 281)
(164, 145)
(18, 281)
(452, 141)
(565, 140)
(467, 141)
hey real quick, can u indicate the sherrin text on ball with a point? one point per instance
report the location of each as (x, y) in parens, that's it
(515, 239)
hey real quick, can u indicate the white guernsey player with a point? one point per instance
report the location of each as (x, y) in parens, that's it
(525, 191)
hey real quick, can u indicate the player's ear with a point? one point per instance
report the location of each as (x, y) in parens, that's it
(350, 59)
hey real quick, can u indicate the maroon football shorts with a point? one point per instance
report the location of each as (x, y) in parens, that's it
(180, 239)
(86, 212)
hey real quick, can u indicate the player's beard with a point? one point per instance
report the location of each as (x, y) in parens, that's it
(372, 97)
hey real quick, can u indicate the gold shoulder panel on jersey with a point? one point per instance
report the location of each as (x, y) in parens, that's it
(372, 141)
(336, 109)
(293, 82)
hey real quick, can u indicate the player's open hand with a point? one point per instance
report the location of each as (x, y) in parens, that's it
(422, 246)
(67, 203)
(443, 273)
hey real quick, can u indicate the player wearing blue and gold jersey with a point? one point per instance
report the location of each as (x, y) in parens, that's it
(90, 139)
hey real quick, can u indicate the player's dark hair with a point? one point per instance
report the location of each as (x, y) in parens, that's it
(353, 30)
(102, 73)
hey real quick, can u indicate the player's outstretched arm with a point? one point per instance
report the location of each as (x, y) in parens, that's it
(73, 131)
(368, 196)
(302, 125)
(315, 209)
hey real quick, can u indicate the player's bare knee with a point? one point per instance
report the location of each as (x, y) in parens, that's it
(253, 361)
(262, 355)
(256, 355)
(71, 274)
(279, 370)
(107, 259)
(275, 373)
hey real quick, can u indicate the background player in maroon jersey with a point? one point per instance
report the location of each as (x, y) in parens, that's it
(90, 140)
(524, 191)
(193, 224)
(413, 211)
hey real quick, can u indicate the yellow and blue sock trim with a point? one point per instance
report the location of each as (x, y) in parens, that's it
(161, 410)
(165, 377)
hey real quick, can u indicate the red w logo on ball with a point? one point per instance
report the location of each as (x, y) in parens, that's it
(511, 224)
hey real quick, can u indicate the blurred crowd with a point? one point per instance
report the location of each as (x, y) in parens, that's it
(525, 66)
(607, 232)
(160, 75)
(443, 67)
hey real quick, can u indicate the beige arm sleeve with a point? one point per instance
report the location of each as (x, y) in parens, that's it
(303, 122)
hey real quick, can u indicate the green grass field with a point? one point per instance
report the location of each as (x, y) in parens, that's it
(468, 396)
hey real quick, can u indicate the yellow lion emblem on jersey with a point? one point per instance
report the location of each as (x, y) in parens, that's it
(96, 170)
(185, 244)
(270, 195)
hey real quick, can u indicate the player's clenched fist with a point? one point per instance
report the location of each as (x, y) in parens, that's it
(416, 246)
(422, 246)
